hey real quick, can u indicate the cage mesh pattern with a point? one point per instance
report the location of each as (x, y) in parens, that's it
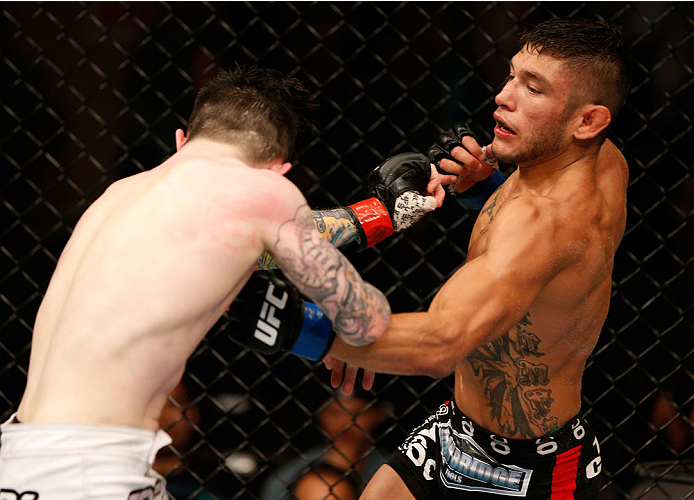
(92, 92)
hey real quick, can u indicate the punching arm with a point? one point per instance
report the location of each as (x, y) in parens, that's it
(398, 199)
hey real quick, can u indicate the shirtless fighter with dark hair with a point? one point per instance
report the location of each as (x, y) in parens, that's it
(518, 320)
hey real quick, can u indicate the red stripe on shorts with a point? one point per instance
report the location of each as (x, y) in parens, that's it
(564, 474)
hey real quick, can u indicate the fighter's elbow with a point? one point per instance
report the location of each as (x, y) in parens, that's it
(366, 327)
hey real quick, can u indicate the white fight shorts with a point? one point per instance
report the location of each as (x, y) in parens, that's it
(79, 462)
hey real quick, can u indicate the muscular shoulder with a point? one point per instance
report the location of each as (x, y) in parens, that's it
(535, 229)
(260, 193)
(529, 213)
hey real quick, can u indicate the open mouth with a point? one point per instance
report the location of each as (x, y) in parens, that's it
(504, 128)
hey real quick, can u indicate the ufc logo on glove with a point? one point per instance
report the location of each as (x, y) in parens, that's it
(268, 323)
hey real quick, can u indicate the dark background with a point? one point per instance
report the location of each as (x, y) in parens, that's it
(92, 92)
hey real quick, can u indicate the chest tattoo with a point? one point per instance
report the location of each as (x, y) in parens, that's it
(489, 211)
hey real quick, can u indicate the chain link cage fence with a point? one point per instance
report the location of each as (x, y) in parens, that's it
(92, 92)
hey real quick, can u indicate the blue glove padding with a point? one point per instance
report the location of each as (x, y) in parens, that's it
(477, 195)
(316, 335)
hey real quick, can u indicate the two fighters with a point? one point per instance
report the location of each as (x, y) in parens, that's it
(518, 320)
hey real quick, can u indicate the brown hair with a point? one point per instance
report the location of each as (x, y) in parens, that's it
(260, 111)
(595, 52)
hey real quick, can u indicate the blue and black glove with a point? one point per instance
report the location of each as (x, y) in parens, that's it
(269, 316)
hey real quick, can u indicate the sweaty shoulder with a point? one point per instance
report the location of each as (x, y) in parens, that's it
(532, 227)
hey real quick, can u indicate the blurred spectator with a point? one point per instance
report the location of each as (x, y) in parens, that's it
(673, 416)
(180, 419)
(341, 470)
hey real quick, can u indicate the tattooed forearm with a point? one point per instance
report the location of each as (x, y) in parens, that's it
(334, 225)
(359, 311)
(356, 320)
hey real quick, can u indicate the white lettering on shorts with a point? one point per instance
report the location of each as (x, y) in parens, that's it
(149, 493)
(267, 325)
(594, 468)
(467, 467)
(13, 495)
(415, 448)
(429, 469)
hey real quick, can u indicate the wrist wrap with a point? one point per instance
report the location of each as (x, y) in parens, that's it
(477, 195)
(372, 220)
(316, 334)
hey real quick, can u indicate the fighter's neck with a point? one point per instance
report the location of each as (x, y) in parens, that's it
(542, 174)
(201, 148)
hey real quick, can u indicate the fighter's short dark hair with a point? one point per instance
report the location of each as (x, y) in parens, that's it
(597, 54)
(261, 111)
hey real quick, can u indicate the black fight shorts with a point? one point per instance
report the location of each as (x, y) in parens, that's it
(450, 457)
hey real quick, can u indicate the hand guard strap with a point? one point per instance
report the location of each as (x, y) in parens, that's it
(372, 221)
(476, 196)
(316, 335)
(269, 316)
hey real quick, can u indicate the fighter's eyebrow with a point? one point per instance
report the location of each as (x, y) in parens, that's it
(531, 75)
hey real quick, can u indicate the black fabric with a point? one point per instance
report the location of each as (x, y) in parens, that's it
(446, 142)
(397, 175)
(450, 457)
(249, 310)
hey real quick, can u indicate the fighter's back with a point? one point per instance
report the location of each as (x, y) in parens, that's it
(149, 269)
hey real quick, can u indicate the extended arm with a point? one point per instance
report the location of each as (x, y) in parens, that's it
(359, 312)
(403, 188)
(339, 226)
(526, 248)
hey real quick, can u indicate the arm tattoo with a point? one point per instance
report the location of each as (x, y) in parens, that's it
(515, 382)
(323, 274)
(334, 225)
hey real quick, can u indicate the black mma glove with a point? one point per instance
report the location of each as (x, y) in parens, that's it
(269, 316)
(396, 185)
(451, 138)
(476, 196)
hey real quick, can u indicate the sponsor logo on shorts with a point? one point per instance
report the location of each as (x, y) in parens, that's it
(150, 492)
(467, 467)
(14, 495)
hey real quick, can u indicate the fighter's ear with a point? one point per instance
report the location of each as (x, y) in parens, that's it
(594, 118)
(181, 139)
(279, 167)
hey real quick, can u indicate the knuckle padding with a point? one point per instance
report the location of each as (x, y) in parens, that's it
(246, 309)
(447, 141)
(398, 174)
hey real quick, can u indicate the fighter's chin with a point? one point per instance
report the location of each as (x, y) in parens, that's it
(504, 154)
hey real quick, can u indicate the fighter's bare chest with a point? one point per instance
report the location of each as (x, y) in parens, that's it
(485, 219)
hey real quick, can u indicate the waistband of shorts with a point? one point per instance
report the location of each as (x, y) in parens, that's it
(568, 432)
(67, 437)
